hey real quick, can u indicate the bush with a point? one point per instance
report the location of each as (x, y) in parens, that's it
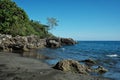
(15, 21)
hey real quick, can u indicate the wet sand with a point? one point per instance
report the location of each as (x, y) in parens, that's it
(15, 67)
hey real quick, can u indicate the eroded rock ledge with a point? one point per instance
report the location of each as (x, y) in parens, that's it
(9, 43)
(58, 42)
(26, 43)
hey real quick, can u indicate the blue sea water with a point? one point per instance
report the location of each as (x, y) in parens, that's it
(106, 53)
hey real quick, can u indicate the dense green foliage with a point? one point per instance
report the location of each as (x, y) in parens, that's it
(14, 21)
(40, 29)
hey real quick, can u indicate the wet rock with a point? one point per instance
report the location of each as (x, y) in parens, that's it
(75, 67)
(58, 42)
(101, 70)
(72, 66)
(53, 43)
(89, 62)
(17, 46)
(67, 41)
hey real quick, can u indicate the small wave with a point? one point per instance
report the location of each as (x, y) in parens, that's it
(112, 55)
(63, 49)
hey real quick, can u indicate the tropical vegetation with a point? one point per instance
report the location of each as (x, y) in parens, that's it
(15, 21)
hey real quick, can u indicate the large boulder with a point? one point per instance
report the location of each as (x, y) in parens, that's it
(101, 70)
(75, 67)
(58, 42)
(89, 62)
(5, 41)
(72, 66)
(67, 41)
(53, 43)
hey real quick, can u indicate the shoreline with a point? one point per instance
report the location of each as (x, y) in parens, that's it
(15, 67)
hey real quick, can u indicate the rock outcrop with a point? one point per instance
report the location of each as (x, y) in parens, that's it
(89, 62)
(101, 70)
(53, 43)
(67, 41)
(72, 66)
(21, 43)
(58, 42)
(25, 43)
(76, 67)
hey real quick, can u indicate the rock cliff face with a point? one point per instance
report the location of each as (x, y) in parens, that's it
(25, 43)
(9, 43)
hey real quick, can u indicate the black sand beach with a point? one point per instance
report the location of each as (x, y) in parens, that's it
(15, 67)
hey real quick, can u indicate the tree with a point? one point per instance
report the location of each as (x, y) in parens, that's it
(40, 29)
(13, 19)
(52, 22)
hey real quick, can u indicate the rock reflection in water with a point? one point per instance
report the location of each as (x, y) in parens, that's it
(35, 55)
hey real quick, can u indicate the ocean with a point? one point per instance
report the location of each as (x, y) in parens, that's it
(105, 53)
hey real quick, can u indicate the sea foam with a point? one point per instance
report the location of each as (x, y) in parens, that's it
(112, 55)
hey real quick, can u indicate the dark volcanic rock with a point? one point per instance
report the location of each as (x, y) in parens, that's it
(101, 70)
(58, 42)
(17, 46)
(89, 62)
(53, 43)
(67, 41)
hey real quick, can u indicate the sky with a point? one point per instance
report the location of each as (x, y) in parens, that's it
(78, 19)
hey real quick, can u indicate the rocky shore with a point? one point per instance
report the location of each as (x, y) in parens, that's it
(15, 67)
(26, 43)
(20, 43)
